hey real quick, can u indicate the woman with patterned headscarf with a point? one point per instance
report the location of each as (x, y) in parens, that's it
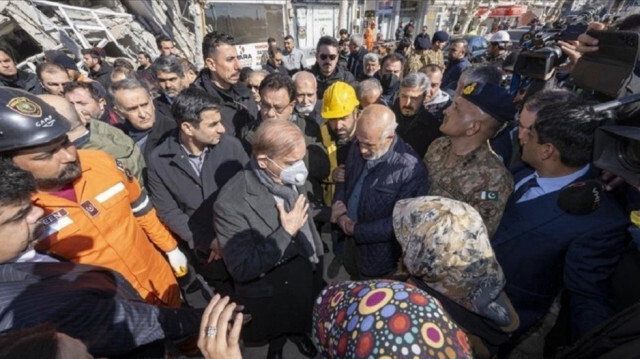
(446, 251)
(384, 319)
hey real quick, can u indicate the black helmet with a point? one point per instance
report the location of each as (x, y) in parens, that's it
(27, 121)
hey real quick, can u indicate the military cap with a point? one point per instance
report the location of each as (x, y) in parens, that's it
(492, 99)
(423, 43)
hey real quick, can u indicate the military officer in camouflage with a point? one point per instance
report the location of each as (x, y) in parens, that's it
(462, 165)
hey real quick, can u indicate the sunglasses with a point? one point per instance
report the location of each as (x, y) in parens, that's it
(325, 56)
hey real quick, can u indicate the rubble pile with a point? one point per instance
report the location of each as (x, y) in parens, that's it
(122, 27)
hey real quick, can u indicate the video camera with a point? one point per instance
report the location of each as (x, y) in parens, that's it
(540, 51)
(617, 148)
(608, 72)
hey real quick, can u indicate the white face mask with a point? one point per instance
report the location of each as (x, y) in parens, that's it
(304, 109)
(296, 174)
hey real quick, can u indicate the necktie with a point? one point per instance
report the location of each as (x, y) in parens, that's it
(531, 183)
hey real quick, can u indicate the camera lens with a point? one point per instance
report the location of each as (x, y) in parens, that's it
(629, 154)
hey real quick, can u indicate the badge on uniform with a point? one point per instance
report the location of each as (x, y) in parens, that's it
(125, 170)
(54, 217)
(489, 195)
(25, 106)
(55, 222)
(89, 208)
(469, 88)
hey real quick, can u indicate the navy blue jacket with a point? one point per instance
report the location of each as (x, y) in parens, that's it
(452, 73)
(399, 174)
(542, 249)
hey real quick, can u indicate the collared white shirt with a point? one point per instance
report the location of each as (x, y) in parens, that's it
(548, 184)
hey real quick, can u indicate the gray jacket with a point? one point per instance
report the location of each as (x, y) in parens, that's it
(248, 226)
(183, 199)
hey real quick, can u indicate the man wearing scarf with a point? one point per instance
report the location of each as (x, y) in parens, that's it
(146, 126)
(270, 245)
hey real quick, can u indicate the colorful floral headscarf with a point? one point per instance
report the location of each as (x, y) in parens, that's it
(384, 319)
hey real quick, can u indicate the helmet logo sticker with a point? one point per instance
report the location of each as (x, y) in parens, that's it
(46, 122)
(24, 106)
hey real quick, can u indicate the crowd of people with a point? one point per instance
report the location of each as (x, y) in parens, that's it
(130, 196)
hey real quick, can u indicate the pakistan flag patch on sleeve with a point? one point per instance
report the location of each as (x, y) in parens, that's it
(489, 195)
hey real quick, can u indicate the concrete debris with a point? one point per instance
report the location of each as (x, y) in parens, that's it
(122, 27)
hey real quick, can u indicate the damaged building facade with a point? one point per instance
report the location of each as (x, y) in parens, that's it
(121, 27)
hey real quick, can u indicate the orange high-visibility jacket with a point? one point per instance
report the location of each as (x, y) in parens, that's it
(114, 225)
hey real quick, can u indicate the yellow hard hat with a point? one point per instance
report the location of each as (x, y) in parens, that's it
(339, 100)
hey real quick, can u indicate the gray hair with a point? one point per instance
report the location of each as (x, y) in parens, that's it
(167, 64)
(416, 79)
(367, 86)
(357, 39)
(370, 57)
(390, 129)
(297, 74)
(126, 84)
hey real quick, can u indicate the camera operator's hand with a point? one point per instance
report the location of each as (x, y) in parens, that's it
(587, 43)
(584, 44)
(571, 49)
(610, 180)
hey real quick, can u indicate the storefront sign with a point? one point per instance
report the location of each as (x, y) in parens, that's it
(503, 11)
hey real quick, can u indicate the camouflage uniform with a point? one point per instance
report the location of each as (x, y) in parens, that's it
(435, 57)
(479, 179)
(417, 61)
(445, 243)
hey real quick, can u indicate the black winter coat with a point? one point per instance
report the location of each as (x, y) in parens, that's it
(238, 107)
(103, 75)
(23, 80)
(339, 74)
(419, 130)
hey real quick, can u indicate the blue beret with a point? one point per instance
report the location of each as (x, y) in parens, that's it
(441, 36)
(422, 43)
(492, 99)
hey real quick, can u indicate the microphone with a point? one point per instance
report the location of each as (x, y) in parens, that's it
(581, 198)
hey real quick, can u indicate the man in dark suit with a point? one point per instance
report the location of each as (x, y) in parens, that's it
(93, 304)
(269, 243)
(543, 248)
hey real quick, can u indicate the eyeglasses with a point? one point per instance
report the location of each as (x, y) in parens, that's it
(325, 56)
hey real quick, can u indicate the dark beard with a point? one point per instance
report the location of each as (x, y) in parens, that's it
(68, 174)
